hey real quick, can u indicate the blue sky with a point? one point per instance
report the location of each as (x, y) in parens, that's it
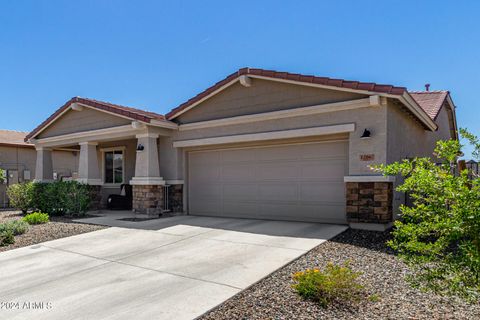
(155, 55)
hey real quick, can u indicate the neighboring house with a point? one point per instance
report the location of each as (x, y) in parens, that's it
(257, 144)
(18, 159)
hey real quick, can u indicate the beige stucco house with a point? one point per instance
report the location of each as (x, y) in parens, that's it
(17, 159)
(257, 144)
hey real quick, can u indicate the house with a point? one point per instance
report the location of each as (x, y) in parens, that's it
(257, 144)
(18, 159)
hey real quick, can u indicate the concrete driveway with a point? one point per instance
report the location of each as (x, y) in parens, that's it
(173, 268)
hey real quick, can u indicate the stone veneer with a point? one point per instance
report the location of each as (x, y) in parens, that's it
(148, 199)
(175, 198)
(369, 202)
(95, 197)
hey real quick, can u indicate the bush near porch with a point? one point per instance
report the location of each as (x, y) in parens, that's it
(54, 198)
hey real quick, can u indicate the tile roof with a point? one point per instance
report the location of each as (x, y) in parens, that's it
(14, 138)
(341, 83)
(430, 101)
(133, 113)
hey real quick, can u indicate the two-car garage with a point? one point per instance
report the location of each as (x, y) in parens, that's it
(294, 181)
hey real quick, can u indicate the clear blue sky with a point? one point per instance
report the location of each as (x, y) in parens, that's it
(155, 55)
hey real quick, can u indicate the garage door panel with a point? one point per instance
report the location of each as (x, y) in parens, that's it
(238, 172)
(201, 174)
(277, 171)
(236, 156)
(326, 171)
(334, 191)
(277, 154)
(302, 182)
(210, 191)
(276, 192)
(245, 191)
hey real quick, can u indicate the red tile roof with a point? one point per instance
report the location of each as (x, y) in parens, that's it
(14, 138)
(133, 113)
(430, 101)
(341, 83)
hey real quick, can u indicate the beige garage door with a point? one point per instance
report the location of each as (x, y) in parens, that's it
(300, 182)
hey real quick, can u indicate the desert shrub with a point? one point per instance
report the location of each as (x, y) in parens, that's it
(61, 197)
(6, 238)
(438, 236)
(17, 227)
(334, 284)
(36, 218)
(21, 196)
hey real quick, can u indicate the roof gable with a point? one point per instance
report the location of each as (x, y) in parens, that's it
(118, 110)
(88, 119)
(340, 84)
(262, 96)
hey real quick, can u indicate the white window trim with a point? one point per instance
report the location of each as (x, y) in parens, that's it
(112, 149)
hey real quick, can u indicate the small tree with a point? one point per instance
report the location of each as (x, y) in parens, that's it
(2, 175)
(439, 235)
(21, 195)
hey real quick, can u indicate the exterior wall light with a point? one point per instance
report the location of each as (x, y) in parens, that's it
(140, 147)
(366, 134)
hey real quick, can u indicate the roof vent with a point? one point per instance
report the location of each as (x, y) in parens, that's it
(427, 87)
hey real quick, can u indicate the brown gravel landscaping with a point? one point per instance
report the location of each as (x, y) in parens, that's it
(58, 227)
(383, 275)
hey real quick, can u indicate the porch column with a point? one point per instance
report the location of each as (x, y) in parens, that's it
(44, 167)
(147, 185)
(88, 171)
(147, 166)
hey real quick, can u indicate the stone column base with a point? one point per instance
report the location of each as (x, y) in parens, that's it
(148, 199)
(175, 197)
(95, 197)
(369, 202)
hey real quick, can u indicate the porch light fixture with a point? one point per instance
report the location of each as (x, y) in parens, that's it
(366, 134)
(140, 147)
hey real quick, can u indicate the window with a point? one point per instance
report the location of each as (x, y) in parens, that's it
(114, 166)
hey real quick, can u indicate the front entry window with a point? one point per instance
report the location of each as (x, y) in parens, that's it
(114, 166)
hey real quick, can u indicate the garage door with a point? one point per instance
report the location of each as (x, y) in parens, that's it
(299, 182)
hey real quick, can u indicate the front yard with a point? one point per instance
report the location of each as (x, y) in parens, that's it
(58, 227)
(383, 276)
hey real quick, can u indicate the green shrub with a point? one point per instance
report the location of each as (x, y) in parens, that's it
(17, 227)
(36, 218)
(6, 238)
(439, 235)
(61, 197)
(334, 284)
(21, 195)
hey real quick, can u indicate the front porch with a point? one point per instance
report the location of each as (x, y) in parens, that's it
(111, 158)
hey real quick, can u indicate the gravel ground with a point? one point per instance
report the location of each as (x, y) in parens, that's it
(383, 275)
(58, 227)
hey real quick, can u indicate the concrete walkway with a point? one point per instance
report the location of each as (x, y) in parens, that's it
(171, 268)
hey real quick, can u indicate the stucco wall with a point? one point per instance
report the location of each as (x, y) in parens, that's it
(171, 163)
(262, 96)
(407, 139)
(87, 119)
